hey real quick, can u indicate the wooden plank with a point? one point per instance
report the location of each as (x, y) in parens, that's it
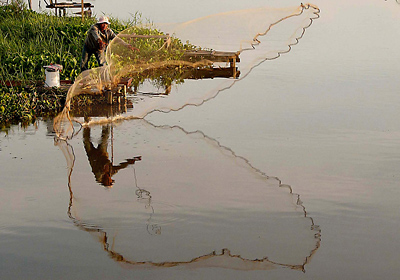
(69, 5)
(215, 56)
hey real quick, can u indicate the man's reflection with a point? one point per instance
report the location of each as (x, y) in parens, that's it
(102, 168)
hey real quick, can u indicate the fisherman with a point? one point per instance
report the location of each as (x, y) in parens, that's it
(98, 37)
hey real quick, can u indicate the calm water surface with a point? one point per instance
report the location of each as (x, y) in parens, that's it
(321, 121)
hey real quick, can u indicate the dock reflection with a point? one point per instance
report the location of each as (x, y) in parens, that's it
(191, 202)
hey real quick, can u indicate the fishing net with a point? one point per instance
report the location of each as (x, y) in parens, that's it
(174, 59)
(183, 201)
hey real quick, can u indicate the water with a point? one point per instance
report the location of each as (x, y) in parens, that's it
(322, 118)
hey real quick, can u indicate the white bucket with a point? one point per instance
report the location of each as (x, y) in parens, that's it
(52, 75)
(52, 78)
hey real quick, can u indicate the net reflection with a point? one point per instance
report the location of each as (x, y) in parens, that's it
(189, 202)
(145, 196)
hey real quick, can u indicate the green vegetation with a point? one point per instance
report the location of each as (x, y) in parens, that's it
(31, 40)
(24, 104)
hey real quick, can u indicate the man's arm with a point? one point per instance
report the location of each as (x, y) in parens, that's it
(129, 46)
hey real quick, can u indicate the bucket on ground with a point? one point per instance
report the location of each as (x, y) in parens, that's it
(52, 75)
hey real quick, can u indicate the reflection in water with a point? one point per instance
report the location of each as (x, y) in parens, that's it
(103, 167)
(145, 196)
(215, 208)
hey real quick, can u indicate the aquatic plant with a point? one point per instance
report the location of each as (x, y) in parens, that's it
(22, 104)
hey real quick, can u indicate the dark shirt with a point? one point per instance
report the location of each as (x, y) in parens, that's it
(94, 33)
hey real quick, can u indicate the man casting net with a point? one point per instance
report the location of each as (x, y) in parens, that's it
(172, 53)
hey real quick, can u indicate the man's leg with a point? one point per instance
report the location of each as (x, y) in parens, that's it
(101, 57)
(85, 59)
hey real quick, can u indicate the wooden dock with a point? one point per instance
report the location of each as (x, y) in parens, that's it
(61, 8)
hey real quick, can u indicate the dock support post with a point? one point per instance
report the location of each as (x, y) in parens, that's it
(232, 65)
(109, 97)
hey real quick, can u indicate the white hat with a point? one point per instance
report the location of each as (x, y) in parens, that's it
(103, 19)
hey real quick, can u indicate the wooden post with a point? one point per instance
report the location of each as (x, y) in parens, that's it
(232, 65)
(82, 9)
(109, 96)
(30, 4)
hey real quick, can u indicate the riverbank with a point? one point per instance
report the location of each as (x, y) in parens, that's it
(31, 40)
